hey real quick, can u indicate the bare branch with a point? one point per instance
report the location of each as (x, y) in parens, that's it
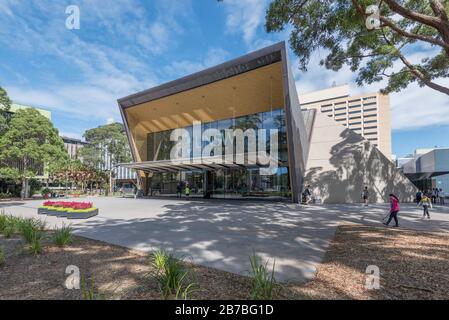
(390, 24)
(416, 72)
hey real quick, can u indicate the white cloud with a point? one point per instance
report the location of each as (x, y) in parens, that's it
(213, 57)
(101, 73)
(417, 107)
(245, 16)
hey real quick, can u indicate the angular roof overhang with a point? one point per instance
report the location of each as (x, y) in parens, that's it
(209, 163)
(424, 175)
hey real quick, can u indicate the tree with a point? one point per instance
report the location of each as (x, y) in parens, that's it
(30, 144)
(109, 140)
(5, 106)
(374, 43)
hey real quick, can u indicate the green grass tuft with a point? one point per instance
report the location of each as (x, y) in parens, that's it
(172, 277)
(63, 236)
(263, 282)
(89, 293)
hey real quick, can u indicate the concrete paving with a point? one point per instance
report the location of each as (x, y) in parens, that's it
(222, 234)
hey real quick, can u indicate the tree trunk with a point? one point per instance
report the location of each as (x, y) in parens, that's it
(110, 181)
(24, 192)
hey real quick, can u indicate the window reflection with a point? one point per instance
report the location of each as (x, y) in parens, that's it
(225, 183)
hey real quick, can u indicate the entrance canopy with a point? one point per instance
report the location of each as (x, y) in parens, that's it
(209, 163)
(424, 175)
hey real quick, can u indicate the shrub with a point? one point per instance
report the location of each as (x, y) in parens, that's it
(29, 228)
(3, 221)
(35, 246)
(45, 191)
(63, 236)
(2, 257)
(9, 231)
(159, 261)
(263, 283)
(172, 277)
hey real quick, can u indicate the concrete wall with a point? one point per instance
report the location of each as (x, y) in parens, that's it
(341, 162)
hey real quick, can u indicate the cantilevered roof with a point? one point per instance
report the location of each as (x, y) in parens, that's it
(207, 163)
(248, 62)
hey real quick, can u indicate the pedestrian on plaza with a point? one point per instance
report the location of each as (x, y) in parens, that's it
(187, 191)
(179, 190)
(441, 194)
(434, 196)
(418, 197)
(307, 195)
(426, 203)
(394, 210)
(365, 196)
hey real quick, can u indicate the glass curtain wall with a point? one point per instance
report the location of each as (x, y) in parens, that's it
(226, 183)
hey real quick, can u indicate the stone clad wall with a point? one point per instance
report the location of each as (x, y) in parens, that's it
(341, 162)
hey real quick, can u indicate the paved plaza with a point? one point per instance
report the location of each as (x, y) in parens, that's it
(222, 234)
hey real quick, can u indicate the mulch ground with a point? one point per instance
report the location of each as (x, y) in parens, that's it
(413, 265)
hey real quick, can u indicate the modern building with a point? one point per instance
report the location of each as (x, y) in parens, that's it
(223, 111)
(16, 106)
(123, 177)
(73, 146)
(367, 114)
(428, 168)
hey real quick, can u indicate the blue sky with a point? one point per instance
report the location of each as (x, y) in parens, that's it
(124, 46)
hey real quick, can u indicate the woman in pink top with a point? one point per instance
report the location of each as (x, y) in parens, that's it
(394, 209)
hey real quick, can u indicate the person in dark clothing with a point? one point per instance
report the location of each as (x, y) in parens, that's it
(179, 190)
(418, 197)
(394, 209)
(365, 196)
(306, 195)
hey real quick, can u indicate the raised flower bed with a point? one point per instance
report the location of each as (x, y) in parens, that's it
(70, 210)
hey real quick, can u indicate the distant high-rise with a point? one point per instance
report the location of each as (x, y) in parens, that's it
(367, 114)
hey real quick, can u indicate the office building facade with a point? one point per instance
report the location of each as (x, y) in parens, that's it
(367, 114)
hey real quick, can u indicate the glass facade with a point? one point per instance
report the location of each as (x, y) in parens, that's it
(226, 182)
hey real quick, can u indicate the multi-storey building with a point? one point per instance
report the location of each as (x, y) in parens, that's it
(428, 168)
(73, 146)
(367, 114)
(122, 176)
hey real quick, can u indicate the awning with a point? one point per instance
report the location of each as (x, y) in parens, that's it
(209, 163)
(424, 175)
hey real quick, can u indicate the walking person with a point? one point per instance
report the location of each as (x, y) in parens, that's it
(306, 195)
(394, 210)
(426, 202)
(365, 196)
(418, 197)
(441, 195)
(187, 191)
(179, 190)
(434, 196)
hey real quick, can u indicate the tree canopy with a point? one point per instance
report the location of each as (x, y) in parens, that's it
(30, 143)
(377, 42)
(5, 105)
(112, 138)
